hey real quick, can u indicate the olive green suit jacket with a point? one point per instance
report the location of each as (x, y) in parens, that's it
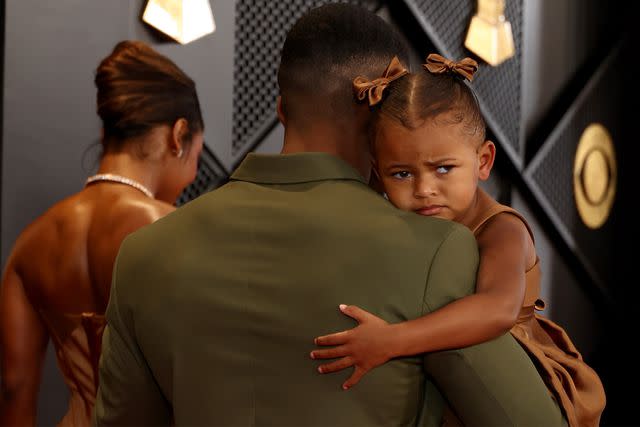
(214, 308)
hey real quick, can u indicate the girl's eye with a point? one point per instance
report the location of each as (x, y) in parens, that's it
(444, 169)
(401, 174)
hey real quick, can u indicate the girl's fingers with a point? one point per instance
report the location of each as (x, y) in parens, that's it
(354, 379)
(355, 312)
(330, 353)
(336, 366)
(332, 339)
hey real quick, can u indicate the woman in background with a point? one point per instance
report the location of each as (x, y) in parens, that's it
(57, 279)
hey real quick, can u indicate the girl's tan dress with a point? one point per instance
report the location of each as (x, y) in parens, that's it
(575, 386)
(77, 340)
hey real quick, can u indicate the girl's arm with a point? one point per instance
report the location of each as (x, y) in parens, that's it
(23, 342)
(506, 250)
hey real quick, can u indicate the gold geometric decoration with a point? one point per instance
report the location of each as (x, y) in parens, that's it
(595, 175)
(489, 34)
(182, 20)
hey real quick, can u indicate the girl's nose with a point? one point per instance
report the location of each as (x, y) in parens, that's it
(424, 188)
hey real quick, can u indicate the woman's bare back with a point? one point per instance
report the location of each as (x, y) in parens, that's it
(56, 286)
(65, 257)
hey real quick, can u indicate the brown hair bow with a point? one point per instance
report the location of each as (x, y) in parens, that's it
(439, 64)
(374, 89)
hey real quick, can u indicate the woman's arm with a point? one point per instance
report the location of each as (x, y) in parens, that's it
(490, 312)
(23, 343)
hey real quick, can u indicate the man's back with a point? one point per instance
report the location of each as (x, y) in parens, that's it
(220, 301)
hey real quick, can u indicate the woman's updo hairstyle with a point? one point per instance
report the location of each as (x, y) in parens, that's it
(138, 89)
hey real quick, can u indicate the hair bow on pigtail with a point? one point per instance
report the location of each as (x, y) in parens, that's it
(439, 64)
(373, 89)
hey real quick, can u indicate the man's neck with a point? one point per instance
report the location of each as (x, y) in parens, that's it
(345, 143)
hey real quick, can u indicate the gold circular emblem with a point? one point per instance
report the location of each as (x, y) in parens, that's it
(594, 175)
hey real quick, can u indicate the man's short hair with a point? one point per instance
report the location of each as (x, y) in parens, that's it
(325, 50)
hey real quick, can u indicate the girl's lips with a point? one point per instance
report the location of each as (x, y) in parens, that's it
(429, 210)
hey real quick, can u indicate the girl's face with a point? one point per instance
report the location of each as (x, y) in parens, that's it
(434, 169)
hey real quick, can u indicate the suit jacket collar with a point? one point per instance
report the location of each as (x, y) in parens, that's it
(294, 168)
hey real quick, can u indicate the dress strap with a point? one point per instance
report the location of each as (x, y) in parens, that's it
(532, 276)
(496, 210)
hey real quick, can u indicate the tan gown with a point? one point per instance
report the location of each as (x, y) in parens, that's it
(574, 384)
(77, 340)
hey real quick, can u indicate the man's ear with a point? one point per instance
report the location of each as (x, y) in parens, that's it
(280, 111)
(486, 157)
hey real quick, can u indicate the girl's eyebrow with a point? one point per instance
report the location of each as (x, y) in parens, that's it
(398, 165)
(434, 162)
(439, 161)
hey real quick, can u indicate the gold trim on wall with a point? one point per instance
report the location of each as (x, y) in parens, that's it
(595, 175)
(490, 36)
(182, 20)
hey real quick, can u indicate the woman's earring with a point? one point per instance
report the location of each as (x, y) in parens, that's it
(178, 153)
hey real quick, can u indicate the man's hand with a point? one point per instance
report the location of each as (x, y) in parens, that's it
(366, 346)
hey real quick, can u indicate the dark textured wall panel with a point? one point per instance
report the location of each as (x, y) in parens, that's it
(550, 173)
(498, 88)
(261, 27)
(211, 174)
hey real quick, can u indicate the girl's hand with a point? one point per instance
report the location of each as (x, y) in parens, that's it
(366, 346)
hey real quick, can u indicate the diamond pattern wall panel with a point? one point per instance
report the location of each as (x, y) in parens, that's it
(498, 88)
(211, 174)
(261, 26)
(550, 173)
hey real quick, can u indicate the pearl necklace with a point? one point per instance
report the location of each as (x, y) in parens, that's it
(121, 179)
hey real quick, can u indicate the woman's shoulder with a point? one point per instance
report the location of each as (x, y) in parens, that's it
(128, 214)
(55, 227)
(54, 218)
(84, 214)
(84, 209)
(144, 209)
